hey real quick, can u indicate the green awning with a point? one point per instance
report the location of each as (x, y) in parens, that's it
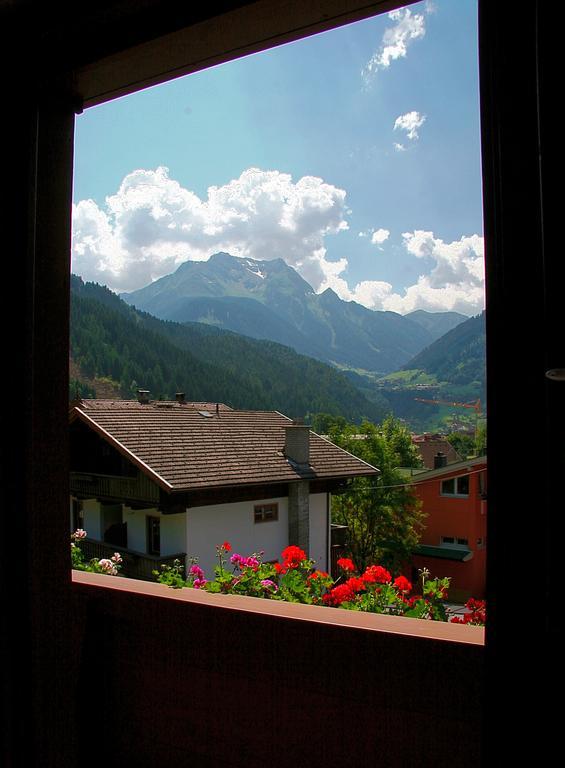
(444, 553)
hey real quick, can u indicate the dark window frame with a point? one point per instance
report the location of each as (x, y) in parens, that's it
(260, 512)
(456, 492)
(153, 522)
(517, 55)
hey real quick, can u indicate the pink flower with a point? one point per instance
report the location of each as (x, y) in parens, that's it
(116, 558)
(268, 584)
(107, 566)
(80, 533)
(196, 570)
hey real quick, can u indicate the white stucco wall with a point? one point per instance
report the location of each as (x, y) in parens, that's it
(199, 530)
(209, 526)
(173, 534)
(137, 527)
(92, 518)
(173, 530)
(212, 525)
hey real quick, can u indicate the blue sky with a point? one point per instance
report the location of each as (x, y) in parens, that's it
(353, 154)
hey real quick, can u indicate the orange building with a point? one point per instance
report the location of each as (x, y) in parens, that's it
(454, 541)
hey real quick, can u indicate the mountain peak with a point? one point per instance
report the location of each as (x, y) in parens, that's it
(330, 294)
(268, 298)
(221, 256)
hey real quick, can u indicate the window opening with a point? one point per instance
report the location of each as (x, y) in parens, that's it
(253, 167)
(265, 513)
(153, 535)
(455, 486)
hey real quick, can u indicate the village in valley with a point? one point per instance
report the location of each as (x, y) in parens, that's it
(163, 486)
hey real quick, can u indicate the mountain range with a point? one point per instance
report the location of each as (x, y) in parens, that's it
(116, 349)
(270, 300)
(255, 335)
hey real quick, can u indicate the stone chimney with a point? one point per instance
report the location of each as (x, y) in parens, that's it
(143, 396)
(440, 460)
(297, 450)
(297, 443)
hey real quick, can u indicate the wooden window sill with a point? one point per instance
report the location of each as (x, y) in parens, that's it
(432, 630)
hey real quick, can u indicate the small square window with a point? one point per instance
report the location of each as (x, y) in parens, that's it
(266, 513)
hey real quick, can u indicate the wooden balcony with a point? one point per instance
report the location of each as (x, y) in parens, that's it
(136, 565)
(114, 487)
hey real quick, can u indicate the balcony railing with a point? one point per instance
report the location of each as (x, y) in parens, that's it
(138, 488)
(136, 565)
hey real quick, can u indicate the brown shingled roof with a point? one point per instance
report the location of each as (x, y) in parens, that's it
(429, 445)
(182, 450)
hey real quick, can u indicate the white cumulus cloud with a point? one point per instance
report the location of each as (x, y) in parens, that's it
(395, 41)
(153, 224)
(410, 122)
(379, 236)
(454, 283)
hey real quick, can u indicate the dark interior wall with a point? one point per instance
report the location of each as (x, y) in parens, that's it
(212, 687)
(524, 339)
(47, 638)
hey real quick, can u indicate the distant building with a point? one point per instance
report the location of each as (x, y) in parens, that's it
(454, 498)
(160, 480)
(430, 445)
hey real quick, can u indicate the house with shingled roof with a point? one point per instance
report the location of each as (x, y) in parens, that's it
(159, 480)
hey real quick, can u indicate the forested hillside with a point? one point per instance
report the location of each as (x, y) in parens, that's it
(453, 368)
(135, 350)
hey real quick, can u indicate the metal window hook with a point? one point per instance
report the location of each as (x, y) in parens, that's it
(555, 374)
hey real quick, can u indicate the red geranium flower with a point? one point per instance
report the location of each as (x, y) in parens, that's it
(346, 564)
(292, 556)
(227, 546)
(356, 584)
(402, 584)
(376, 573)
(344, 593)
(318, 575)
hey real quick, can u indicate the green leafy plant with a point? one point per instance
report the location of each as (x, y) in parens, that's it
(296, 580)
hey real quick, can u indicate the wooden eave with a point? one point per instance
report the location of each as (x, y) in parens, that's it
(77, 413)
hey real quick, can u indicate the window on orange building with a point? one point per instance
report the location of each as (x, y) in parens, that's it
(455, 486)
